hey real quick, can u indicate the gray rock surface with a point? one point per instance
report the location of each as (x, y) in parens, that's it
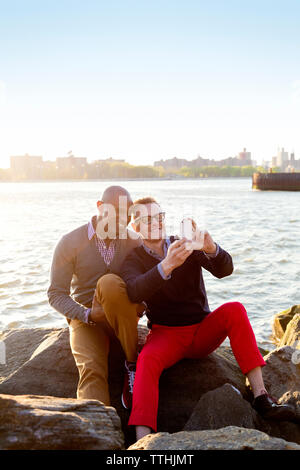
(228, 438)
(281, 374)
(224, 406)
(41, 423)
(20, 344)
(50, 370)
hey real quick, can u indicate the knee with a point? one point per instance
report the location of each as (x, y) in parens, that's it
(110, 286)
(236, 310)
(239, 307)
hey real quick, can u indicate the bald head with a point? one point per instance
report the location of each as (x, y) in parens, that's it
(112, 193)
(116, 201)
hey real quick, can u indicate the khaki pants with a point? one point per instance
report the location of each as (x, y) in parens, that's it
(90, 343)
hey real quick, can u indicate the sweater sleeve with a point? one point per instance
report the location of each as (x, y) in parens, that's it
(62, 270)
(219, 266)
(141, 285)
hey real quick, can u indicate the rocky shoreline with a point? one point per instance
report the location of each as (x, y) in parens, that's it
(209, 409)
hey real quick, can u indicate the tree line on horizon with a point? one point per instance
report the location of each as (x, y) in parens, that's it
(119, 170)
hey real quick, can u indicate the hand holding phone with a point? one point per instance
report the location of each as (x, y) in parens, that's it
(190, 231)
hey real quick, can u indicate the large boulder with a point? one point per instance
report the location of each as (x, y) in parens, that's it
(281, 321)
(41, 423)
(50, 370)
(227, 438)
(282, 372)
(20, 343)
(291, 336)
(224, 406)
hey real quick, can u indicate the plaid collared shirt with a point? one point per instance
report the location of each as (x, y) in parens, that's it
(107, 253)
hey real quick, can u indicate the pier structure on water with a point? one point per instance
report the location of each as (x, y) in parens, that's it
(276, 181)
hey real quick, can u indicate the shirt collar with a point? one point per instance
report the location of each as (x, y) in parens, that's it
(166, 244)
(91, 229)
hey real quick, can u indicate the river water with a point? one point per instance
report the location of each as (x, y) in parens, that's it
(260, 229)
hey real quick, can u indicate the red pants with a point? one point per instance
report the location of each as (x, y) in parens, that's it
(166, 345)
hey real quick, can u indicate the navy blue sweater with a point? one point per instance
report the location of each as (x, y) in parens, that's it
(180, 300)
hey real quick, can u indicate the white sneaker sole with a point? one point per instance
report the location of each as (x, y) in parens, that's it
(122, 400)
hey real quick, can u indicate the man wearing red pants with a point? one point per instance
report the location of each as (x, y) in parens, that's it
(167, 275)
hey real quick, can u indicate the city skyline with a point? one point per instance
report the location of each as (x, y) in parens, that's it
(242, 154)
(149, 81)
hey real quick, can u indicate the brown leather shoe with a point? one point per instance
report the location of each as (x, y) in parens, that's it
(268, 408)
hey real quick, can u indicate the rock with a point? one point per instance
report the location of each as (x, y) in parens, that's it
(282, 373)
(226, 407)
(42, 364)
(222, 407)
(293, 399)
(182, 385)
(32, 351)
(227, 438)
(291, 336)
(19, 345)
(285, 430)
(41, 423)
(281, 320)
(50, 370)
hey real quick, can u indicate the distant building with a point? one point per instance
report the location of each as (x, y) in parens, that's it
(293, 163)
(71, 166)
(26, 167)
(282, 158)
(71, 162)
(173, 163)
(274, 162)
(110, 160)
(245, 157)
(283, 162)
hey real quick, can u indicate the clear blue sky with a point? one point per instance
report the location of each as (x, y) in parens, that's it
(145, 80)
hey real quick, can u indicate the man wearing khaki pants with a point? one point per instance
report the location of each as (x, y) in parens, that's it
(85, 287)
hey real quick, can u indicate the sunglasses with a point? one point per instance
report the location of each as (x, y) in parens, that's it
(147, 219)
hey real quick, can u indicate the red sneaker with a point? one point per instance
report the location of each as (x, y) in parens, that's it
(126, 398)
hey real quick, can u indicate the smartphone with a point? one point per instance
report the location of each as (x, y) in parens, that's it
(186, 231)
(195, 238)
